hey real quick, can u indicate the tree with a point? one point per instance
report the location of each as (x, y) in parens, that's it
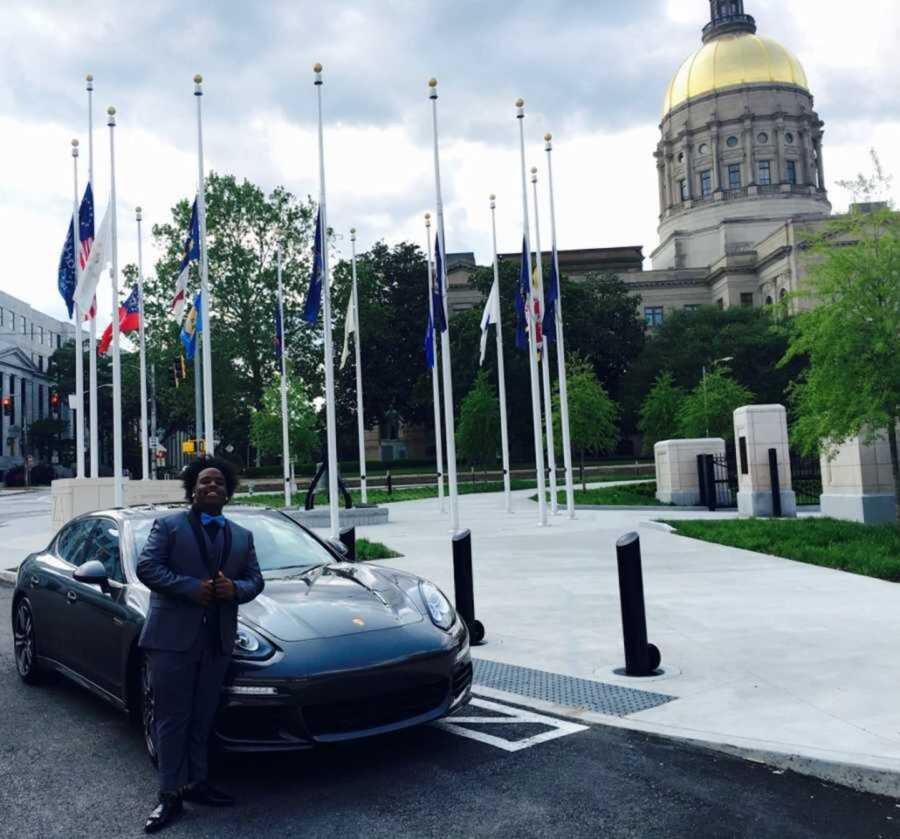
(593, 416)
(852, 333)
(708, 410)
(688, 340)
(479, 423)
(659, 411)
(46, 436)
(266, 425)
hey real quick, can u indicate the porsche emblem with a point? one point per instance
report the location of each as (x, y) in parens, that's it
(359, 621)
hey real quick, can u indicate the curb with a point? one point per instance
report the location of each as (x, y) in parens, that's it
(650, 524)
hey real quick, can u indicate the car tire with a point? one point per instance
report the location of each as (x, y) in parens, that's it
(24, 644)
(148, 718)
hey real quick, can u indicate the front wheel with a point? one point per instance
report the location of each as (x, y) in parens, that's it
(148, 712)
(24, 646)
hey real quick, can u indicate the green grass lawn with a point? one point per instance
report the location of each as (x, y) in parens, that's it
(373, 550)
(377, 495)
(634, 495)
(871, 550)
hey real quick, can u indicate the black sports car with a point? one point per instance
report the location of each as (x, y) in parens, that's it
(331, 650)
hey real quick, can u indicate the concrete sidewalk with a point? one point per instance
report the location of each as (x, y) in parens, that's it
(790, 663)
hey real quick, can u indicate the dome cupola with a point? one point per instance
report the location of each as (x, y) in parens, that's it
(727, 16)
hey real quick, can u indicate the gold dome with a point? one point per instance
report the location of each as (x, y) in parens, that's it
(733, 59)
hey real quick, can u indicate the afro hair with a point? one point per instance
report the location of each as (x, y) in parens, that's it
(192, 472)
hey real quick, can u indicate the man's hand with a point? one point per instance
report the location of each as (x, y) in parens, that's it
(224, 588)
(205, 594)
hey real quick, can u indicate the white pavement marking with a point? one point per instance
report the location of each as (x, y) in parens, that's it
(508, 716)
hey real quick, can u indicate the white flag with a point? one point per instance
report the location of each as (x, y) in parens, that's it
(101, 253)
(491, 315)
(349, 326)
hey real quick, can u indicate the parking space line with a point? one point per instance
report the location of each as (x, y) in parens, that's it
(508, 716)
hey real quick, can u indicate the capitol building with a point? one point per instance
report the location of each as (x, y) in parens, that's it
(741, 176)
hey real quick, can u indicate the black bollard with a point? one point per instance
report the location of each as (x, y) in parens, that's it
(390, 486)
(463, 586)
(641, 658)
(348, 537)
(776, 483)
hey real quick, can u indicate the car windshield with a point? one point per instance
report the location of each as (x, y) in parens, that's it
(281, 544)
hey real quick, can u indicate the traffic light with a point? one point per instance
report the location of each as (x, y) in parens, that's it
(7, 406)
(54, 401)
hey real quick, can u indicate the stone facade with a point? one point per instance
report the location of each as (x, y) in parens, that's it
(677, 478)
(757, 429)
(27, 340)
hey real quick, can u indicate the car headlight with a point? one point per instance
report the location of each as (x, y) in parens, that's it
(439, 609)
(250, 645)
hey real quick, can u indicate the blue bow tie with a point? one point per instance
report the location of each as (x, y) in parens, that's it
(206, 518)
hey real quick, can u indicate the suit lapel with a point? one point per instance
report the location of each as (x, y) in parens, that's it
(194, 521)
(226, 546)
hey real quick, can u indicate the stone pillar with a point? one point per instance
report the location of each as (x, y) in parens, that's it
(661, 173)
(4, 420)
(667, 163)
(689, 168)
(758, 428)
(677, 481)
(779, 177)
(750, 174)
(809, 178)
(820, 163)
(716, 162)
(858, 484)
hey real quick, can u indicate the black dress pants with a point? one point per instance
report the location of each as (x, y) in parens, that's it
(186, 689)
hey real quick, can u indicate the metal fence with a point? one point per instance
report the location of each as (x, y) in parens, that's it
(806, 479)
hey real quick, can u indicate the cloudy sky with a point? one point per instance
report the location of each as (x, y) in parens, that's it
(592, 72)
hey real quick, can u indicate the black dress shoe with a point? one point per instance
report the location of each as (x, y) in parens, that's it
(168, 808)
(203, 793)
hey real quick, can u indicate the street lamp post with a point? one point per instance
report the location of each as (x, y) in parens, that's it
(705, 398)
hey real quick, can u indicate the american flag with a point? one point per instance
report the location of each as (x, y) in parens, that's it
(191, 252)
(86, 239)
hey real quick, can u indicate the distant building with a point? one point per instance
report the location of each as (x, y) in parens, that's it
(27, 340)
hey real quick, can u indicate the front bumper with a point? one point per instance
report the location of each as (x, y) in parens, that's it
(341, 704)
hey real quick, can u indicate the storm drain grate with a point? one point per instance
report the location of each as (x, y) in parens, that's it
(614, 700)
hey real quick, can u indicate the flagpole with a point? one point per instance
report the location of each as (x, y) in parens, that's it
(198, 389)
(330, 421)
(435, 385)
(79, 340)
(145, 448)
(205, 318)
(501, 374)
(114, 277)
(543, 362)
(360, 419)
(285, 438)
(532, 335)
(560, 344)
(445, 335)
(92, 355)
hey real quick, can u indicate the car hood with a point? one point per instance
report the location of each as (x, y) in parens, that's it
(341, 599)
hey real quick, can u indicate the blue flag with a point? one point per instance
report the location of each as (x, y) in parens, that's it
(314, 295)
(429, 343)
(550, 299)
(66, 274)
(437, 290)
(522, 300)
(279, 337)
(192, 327)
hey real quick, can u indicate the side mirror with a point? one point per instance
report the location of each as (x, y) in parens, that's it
(93, 573)
(340, 548)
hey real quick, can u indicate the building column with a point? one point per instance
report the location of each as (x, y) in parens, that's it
(667, 162)
(806, 160)
(779, 152)
(689, 169)
(4, 420)
(660, 171)
(820, 163)
(716, 164)
(749, 168)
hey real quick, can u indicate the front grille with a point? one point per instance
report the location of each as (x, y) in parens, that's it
(264, 723)
(383, 709)
(462, 678)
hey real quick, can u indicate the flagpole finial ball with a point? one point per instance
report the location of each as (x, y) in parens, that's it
(432, 83)
(427, 216)
(534, 170)
(520, 102)
(353, 231)
(111, 111)
(317, 68)
(74, 144)
(198, 79)
(548, 136)
(137, 210)
(493, 197)
(89, 77)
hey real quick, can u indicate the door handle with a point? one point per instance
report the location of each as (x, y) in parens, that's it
(71, 596)
(35, 581)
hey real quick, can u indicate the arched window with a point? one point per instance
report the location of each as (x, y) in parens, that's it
(768, 299)
(782, 294)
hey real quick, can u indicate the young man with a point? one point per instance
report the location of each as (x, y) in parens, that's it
(198, 566)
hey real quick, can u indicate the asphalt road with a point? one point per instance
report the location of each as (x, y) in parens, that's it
(70, 767)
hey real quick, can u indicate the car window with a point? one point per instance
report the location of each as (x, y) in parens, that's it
(280, 543)
(104, 546)
(72, 542)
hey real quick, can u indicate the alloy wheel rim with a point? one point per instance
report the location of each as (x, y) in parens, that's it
(147, 714)
(23, 640)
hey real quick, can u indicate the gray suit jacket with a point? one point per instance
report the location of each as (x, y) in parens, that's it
(172, 565)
